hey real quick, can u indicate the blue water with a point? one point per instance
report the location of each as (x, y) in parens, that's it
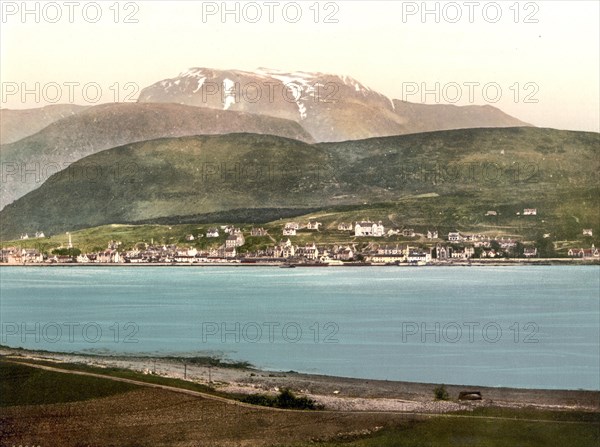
(522, 326)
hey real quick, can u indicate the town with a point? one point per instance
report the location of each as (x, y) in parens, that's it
(364, 243)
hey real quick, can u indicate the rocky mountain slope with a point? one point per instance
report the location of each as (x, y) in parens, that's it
(329, 107)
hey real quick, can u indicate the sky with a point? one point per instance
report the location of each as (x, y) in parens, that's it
(538, 61)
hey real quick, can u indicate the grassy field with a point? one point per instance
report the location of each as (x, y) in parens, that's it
(46, 378)
(449, 432)
(21, 386)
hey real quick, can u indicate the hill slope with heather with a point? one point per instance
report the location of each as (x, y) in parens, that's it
(252, 178)
(32, 160)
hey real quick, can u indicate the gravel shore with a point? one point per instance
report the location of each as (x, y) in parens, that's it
(334, 393)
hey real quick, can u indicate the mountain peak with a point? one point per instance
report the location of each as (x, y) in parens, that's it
(330, 107)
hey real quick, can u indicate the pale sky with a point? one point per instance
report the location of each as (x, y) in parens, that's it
(388, 46)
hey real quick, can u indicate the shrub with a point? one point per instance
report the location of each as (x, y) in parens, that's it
(285, 399)
(440, 392)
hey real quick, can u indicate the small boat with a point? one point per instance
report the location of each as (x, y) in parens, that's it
(287, 266)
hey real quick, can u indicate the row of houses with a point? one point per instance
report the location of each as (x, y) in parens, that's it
(462, 246)
(376, 229)
(370, 228)
(480, 240)
(526, 212)
(14, 255)
(583, 253)
(37, 235)
(292, 228)
(455, 236)
(387, 255)
(286, 250)
(174, 254)
(283, 251)
(365, 228)
(467, 252)
(396, 254)
(215, 232)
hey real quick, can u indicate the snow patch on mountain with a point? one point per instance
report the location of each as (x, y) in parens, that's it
(228, 93)
(192, 73)
(301, 85)
(200, 84)
(302, 88)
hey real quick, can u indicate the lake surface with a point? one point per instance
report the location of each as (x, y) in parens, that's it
(521, 326)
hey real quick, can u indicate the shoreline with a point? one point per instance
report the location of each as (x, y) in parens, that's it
(334, 393)
(475, 263)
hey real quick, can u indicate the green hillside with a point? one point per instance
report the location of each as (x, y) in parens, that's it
(27, 163)
(445, 180)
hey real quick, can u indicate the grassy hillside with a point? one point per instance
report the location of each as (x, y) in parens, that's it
(445, 180)
(23, 385)
(32, 160)
(18, 124)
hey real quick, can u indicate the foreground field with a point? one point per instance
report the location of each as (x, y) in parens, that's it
(48, 407)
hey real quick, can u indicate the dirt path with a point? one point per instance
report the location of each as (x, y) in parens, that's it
(271, 409)
(150, 385)
(333, 393)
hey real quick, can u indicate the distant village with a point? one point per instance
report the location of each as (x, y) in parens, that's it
(428, 248)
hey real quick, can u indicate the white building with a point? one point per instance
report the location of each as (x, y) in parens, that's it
(289, 231)
(230, 252)
(367, 228)
(530, 252)
(465, 253)
(344, 254)
(235, 240)
(454, 237)
(432, 234)
(310, 252)
(417, 256)
(285, 249)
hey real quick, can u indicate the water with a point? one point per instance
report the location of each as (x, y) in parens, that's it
(522, 326)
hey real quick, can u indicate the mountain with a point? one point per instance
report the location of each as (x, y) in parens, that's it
(35, 158)
(329, 107)
(174, 180)
(430, 118)
(17, 124)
